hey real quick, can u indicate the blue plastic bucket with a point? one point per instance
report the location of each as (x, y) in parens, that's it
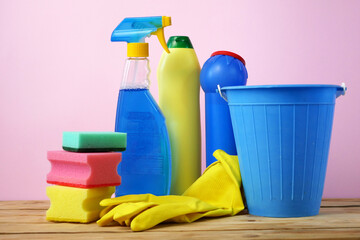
(282, 135)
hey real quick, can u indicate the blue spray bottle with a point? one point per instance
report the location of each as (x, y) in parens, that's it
(146, 163)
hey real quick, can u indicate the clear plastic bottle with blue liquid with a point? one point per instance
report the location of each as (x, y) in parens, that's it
(146, 163)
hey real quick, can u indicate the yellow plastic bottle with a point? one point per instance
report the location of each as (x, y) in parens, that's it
(179, 87)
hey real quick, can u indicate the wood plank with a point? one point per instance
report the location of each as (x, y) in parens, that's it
(38, 216)
(340, 202)
(5, 205)
(44, 204)
(235, 234)
(339, 218)
(33, 221)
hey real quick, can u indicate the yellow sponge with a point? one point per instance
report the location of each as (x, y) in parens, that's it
(69, 204)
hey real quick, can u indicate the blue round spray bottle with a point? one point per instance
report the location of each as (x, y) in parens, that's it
(225, 69)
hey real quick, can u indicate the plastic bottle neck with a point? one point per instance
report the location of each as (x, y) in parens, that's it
(136, 73)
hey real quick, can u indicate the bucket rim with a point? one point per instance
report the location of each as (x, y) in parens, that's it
(340, 89)
(282, 86)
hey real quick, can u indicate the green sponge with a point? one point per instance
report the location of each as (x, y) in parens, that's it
(94, 141)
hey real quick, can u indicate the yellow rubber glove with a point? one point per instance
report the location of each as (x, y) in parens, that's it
(127, 207)
(216, 193)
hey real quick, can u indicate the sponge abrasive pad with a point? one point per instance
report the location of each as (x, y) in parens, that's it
(68, 204)
(94, 141)
(84, 170)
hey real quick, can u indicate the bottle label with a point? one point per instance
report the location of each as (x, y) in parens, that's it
(144, 155)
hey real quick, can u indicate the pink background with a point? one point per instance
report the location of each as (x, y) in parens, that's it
(60, 72)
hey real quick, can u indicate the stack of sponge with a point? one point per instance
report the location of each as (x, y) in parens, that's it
(83, 174)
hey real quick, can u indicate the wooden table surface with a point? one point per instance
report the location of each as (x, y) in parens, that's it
(338, 219)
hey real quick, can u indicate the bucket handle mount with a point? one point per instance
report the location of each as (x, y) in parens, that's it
(221, 93)
(343, 90)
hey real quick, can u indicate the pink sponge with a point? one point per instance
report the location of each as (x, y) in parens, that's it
(83, 170)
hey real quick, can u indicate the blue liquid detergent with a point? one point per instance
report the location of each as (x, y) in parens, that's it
(145, 165)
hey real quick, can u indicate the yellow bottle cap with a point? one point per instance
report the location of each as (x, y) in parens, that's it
(137, 49)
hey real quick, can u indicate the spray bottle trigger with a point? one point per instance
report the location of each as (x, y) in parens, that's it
(160, 35)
